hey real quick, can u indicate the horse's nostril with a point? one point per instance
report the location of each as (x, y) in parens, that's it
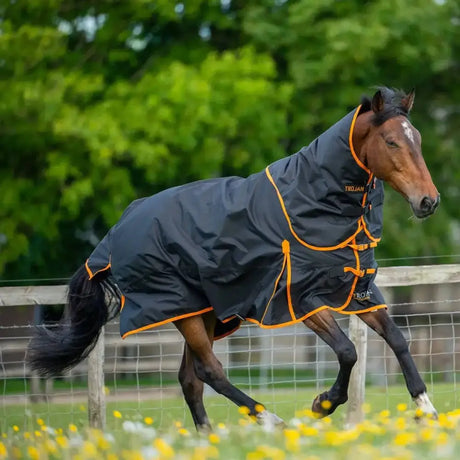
(429, 204)
(426, 204)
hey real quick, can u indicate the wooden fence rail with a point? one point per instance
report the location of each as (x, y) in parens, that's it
(386, 277)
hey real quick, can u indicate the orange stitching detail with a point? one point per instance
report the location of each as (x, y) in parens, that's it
(176, 318)
(304, 243)
(91, 274)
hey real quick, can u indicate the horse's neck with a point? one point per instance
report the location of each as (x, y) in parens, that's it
(360, 135)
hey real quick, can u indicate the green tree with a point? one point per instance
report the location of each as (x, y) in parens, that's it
(103, 102)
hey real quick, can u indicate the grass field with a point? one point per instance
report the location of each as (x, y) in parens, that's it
(163, 429)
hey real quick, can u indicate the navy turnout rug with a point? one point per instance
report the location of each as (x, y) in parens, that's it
(272, 248)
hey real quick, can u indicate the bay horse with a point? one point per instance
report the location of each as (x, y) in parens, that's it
(292, 243)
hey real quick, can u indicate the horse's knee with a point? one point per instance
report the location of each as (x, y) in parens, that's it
(347, 354)
(210, 373)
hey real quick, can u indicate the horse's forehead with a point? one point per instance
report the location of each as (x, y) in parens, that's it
(409, 131)
(405, 128)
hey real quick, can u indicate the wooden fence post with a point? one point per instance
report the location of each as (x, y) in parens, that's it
(356, 390)
(96, 394)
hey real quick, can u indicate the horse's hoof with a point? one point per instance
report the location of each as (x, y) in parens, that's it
(425, 408)
(269, 420)
(204, 429)
(317, 407)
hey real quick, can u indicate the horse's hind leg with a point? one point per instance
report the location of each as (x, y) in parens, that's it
(192, 386)
(325, 326)
(209, 370)
(382, 323)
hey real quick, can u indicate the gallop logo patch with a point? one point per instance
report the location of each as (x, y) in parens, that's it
(362, 296)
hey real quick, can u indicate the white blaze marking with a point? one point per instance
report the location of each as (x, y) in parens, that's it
(408, 131)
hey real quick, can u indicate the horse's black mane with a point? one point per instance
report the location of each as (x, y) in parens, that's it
(393, 106)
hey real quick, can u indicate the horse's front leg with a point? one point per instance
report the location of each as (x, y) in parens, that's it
(384, 325)
(325, 326)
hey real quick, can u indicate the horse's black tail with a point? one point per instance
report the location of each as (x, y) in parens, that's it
(58, 348)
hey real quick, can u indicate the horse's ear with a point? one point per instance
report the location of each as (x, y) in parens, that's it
(408, 100)
(377, 102)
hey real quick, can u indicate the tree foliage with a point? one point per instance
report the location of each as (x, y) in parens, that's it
(103, 102)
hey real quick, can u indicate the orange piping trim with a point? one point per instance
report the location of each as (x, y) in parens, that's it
(226, 320)
(123, 298)
(316, 310)
(176, 318)
(357, 312)
(286, 248)
(91, 274)
(276, 284)
(367, 232)
(359, 273)
(310, 246)
(350, 142)
(227, 333)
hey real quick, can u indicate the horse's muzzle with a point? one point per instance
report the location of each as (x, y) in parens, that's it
(426, 206)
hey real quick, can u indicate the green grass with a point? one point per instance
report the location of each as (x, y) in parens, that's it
(44, 432)
(169, 410)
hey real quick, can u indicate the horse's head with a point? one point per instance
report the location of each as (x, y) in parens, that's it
(390, 147)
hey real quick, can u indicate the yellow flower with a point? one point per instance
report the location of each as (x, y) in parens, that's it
(214, 438)
(62, 441)
(384, 413)
(259, 408)
(40, 421)
(326, 404)
(292, 440)
(33, 452)
(73, 428)
(89, 450)
(183, 431)
(164, 448)
(37, 434)
(308, 430)
(243, 410)
(442, 439)
(255, 455)
(221, 426)
(15, 428)
(51, 447)
(400, 423)
(205, 452)
(402, 407)
(446, 422)
(3, 451)
(178, 424)
(148, 420)
(403, 439)
(426, 434)
(117, 414)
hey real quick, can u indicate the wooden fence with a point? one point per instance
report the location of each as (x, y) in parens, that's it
(387, 277)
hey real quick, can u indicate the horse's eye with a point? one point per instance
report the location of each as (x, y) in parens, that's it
(391, 143)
